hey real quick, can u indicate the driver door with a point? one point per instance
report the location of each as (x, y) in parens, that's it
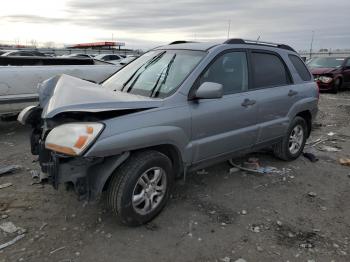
(228, 124)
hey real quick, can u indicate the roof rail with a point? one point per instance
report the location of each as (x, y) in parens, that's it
(256, 42)
(180, 42)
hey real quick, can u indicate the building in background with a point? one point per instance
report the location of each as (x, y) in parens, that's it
(98, 45)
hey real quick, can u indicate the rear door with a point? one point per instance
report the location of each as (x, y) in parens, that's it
(224, 125)
(275, 92)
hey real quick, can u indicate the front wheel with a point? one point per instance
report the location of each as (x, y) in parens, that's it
(292, 145)
(140, 188)
(337, 85)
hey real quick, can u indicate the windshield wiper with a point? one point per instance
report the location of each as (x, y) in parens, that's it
(150, 62)
(167, 68)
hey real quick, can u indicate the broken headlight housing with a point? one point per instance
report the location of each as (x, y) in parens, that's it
(325, 79)
(74, 138)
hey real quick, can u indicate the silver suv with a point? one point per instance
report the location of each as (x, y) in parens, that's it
(175, 109)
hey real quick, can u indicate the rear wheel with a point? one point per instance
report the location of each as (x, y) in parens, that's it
(292, 145)
(140, 188)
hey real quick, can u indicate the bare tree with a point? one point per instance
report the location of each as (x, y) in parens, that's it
(33, 43)
(49, 44)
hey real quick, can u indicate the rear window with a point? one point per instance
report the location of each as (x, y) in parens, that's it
(268, 71)
(300, 67)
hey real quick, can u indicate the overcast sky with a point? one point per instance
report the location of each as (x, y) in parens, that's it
(146, 23)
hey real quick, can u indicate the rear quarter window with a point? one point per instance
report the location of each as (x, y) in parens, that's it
(268, 70)
(300, 67)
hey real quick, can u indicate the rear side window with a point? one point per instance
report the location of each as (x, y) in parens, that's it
(268, 71)
(300, 67)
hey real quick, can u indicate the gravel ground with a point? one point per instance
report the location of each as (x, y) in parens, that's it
(299, 214)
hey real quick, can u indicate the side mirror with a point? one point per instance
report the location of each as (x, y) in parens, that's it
(209, 90)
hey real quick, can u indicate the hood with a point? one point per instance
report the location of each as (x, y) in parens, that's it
(65, 93)
(323, 70)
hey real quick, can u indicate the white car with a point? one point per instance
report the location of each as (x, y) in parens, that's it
(111, 58)
(18, 85)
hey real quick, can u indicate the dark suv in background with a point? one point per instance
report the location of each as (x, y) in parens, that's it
(331, 73)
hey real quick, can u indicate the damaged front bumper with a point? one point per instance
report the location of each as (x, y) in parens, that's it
(87, 175)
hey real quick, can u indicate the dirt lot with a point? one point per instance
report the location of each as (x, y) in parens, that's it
(301, 214)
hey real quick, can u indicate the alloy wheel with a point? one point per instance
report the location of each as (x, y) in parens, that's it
(149, 190)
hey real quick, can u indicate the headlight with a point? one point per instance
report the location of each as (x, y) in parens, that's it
(72, 139)
(325, 79)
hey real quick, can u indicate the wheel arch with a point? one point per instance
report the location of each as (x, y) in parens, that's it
(171, 151)
(340, 77)
(307, 116)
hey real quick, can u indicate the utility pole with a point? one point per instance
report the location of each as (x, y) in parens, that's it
(312, 41)
(228, 29)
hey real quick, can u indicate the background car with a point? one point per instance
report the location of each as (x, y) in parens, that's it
(23, 53)
(331, 73)
(112, 58)
(80, 55)
(126, 60)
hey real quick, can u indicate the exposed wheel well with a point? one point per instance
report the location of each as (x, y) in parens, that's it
(174, 155)
(308, 118)
(170, 151)
(340, 81)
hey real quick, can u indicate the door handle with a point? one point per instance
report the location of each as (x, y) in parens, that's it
(292, 93)
(247, 102)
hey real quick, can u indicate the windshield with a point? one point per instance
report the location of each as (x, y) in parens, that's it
(326, 62)
(155, 74)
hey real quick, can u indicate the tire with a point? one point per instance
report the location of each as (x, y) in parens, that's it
(126, 185)
(337, 85)
(284, 150)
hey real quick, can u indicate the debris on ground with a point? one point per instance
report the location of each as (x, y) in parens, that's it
(38, 177)
(344, 161)
(35, 174)
(57, 249)
(225, 259)
(202, 172)
(316, 142)
(253, 165)
(233, 170)
(9, 169)
(331, 134)
(328, 148)
(43, 177)
(255, 228)
(9, 227)
(11, 242)
(5, 185)
(241, 260)
(310, 156)
(244, 212)
(43, 226)
(312, 194)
